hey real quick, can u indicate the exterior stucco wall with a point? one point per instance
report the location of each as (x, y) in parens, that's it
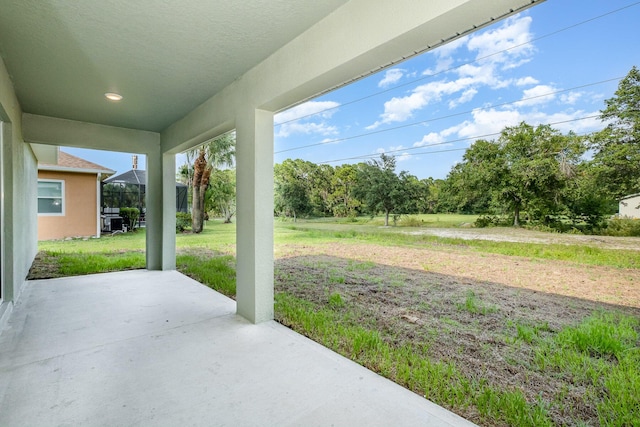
(630, 208)
(80, 201)
(19, 173)
(26, 192)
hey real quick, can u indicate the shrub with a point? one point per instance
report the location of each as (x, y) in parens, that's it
(410, 221)
(130, 217)
(623, 227)
(183, 221)
(490, 221)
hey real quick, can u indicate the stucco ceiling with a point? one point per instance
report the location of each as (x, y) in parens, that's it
(164, 56)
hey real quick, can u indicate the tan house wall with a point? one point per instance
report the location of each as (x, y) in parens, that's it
(629, 207)
(80, 209)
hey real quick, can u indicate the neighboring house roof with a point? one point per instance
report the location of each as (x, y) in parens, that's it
(70, 163)
(631, 196)
(134, 176)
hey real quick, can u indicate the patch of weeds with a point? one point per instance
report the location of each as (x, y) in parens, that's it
(474, 306)
(424, 306)
(348, 234)
(603, 334)
(620, 406)
(410, 221)
(451, 322)
(513, 407)
(335, 300)
(336, 279)
(601, 354)
(526, 332)
(360, 265)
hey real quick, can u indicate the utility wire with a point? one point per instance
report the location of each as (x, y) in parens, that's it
(553, 33)
(369, 156)
(502, 104)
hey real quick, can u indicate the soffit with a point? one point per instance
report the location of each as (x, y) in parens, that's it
(164, 56)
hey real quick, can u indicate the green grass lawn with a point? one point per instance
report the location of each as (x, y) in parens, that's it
(421, 220)
(220, 237)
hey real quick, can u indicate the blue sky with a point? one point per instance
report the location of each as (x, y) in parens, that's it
(538, 66)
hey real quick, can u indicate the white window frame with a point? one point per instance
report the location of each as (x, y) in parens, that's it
(61, 181)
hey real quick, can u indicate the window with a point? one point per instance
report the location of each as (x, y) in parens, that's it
(50, 197)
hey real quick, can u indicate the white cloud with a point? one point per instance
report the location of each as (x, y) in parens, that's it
(486, 122)
(306, 128)
(489, 123)
(571, 97)
(307, 118)
(526, 81)
(430, 139)
(470, 77)
(449, 48)
(505, 43)
(403, 157)
(391, 76)
(444, 59)
(540, 94)
(399, 109)
(466, 96)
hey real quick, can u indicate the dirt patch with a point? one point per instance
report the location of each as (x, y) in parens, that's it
(521, 235)
(595, 283)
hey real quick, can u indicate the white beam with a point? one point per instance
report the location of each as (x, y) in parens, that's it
(71, 133)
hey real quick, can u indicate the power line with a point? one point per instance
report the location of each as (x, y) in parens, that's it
(553, 33)
(446, 117)
(369, 156)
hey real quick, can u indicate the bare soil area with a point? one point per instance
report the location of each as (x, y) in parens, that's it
(421, 296)
(594, 283)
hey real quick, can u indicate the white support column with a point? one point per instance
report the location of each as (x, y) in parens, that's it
(161, 211)
(168, 212)
(254, 230)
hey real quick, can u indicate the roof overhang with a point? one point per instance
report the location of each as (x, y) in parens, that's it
(105, 172)
(186, 69)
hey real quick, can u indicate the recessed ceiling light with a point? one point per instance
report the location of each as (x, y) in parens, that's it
(113, 96)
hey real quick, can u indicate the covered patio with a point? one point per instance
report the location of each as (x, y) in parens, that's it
(152, 347)
(157, 348)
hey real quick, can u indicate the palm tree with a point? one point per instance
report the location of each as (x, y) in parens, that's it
(213, 154)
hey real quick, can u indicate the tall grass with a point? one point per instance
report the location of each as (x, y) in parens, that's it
(602, 354)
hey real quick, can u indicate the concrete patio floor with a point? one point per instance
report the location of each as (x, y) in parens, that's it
(158, 348)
